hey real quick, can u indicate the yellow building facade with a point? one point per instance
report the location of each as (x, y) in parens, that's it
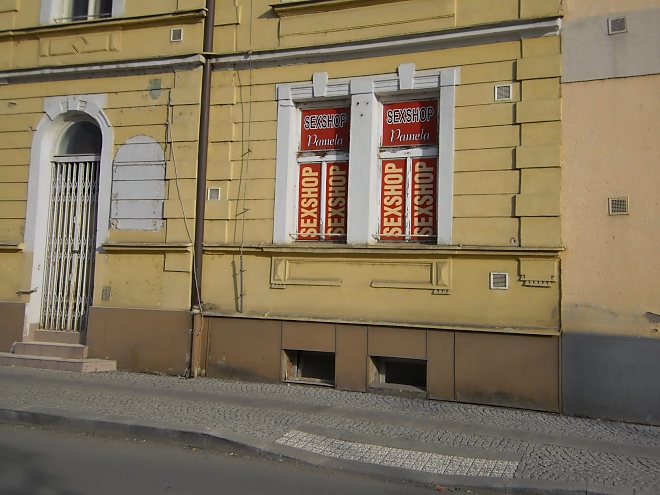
(471, 311)
(374, 202)
(97, 98)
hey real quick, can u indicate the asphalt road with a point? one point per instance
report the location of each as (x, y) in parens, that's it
(36, 461)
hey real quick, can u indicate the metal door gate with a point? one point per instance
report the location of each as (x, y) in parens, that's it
(71, 244)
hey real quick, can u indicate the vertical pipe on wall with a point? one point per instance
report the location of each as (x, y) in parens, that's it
(202, 162)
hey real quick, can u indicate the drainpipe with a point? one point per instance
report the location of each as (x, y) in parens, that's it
(197, 364)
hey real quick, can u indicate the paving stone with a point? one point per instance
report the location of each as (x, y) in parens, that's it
(272, 412)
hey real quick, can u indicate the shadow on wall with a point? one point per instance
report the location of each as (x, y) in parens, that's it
(611, 377)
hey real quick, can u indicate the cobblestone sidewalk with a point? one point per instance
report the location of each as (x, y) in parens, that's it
(430, 437)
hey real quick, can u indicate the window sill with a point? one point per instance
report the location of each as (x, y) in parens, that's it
(147, 247)
(382, 248)
(300, 7)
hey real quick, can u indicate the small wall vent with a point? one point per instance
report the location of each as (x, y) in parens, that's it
(499, 281)
(618, 206)
(503, 92)
(176, 35)
(616, 25)
(213, 194)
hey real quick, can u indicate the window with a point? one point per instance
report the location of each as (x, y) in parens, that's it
(63, 11)
(409, 171)
(322, 207)
(81, 10)
(81, 138)
(393, 183)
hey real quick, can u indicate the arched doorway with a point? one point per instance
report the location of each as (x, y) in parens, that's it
(71, 238)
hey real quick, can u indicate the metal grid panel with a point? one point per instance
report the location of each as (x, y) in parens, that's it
(71, 245)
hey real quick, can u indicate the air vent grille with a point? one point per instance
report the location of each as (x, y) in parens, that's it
(503, 92)
(213, 193)
(499, 281)
(618, 206)
(176, 35)
(616, 25)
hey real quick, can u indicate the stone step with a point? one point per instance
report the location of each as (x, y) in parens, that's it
(50, 349)
(53, 363)
(59, 337)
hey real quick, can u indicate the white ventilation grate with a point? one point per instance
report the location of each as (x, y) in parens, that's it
(616, 25)
(499, 280)
(618, 206)
(214, 193)
(176, 35)
(503, 92)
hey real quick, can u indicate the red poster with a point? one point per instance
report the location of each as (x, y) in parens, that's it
(325, 129)
(336, 193)
(410, 123)
(393, 200)
(423, 211)
(309, 202)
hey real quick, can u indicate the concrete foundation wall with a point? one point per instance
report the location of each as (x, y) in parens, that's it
(11, 324)
(611, 377)
(483, 368)
(141, 340)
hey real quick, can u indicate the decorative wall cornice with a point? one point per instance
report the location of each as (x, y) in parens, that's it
(103, 69)
(451, 38)
(314, 6)
(95, 25)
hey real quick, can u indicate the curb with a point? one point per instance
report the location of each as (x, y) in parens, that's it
(231, 441)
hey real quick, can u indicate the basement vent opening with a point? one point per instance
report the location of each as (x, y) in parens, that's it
(398, 376)
(213, 194)
(309, 367)
(616, 25)
(503, 92)
(618, 206)
(176, 35)
(499, 281)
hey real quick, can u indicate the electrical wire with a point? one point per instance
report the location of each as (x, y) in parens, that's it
(169, 142)
(245, 160)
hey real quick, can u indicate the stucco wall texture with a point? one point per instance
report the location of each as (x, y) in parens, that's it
(585, 8)
(610, 149)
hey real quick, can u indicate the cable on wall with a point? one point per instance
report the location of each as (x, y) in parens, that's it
(169, 143)
(245, 163)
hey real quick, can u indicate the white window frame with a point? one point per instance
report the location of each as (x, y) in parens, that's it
(331, 157)
(322, 157)
(408, 153)
(55, 11)
(365, 94)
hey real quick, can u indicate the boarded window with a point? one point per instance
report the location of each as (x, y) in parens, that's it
(409, 171)
(323, 174)
(138, 186)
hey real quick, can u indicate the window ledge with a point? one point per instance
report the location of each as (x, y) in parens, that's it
(299, 7)
(384, 248)
(147, 247)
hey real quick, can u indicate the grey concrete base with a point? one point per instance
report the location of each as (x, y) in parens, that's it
(64, 351)
(55, 337)
(55, 363)
(611, 377)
